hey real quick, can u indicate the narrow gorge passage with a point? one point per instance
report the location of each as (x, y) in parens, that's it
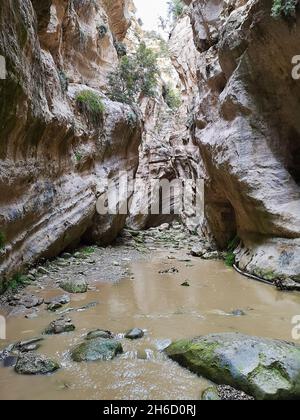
(149, 200)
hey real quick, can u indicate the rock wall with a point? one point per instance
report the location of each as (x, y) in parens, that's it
(55, 161)
(167, 151)
(247, 128)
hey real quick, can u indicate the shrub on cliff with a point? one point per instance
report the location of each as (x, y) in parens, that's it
(286, 8)
(175, 8)
(90, 104)
(135, 77)
(172, 97)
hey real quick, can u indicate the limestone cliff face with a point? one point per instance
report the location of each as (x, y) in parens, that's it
(167, 151)
(54, 162)
(248, 129)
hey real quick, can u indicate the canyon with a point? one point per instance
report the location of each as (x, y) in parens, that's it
(54, 164)
(235, 129)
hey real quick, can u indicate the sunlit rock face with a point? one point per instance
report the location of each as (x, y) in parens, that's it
(248, 129)
(54, 161)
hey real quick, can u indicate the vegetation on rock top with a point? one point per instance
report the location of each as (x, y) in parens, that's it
(90, 104)
(285, 8)
(135, 77)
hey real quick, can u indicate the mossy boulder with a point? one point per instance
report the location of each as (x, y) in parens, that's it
(264, 368)
(96, 349)
(35, 364)
(74, 286)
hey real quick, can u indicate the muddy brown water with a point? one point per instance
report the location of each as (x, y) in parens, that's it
(167, 311)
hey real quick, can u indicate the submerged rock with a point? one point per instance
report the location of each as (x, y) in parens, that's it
(29, 345)
(134, 334)
(35, 364)
(59, 326)
(99, 334)
(238, 312)
(264, 368)
(74, 286)
(10, 361)
(96, 349)
(29, 301)
(185, 284)
(63, 300)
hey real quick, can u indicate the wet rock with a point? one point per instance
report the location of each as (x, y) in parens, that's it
(10, 361)
(238, 312)
(185, 284)
(172, 270)
(198, 251)
(96, 349)
(74, 286)
(53, 307)
(29, 301)
(214, 255)
(32, 315)
(287, 285)
(6, 351)
(57, 302)
(134, 334)
(99, 334)
(87, 306)
(28, 345)
(210, 394)
(266, 369)
(59, 326)
(35, 364)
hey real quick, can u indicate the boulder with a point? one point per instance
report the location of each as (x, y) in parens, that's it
(264, 368)
(96, 349)
(134, 334)
(35, 364)
(99, 334)
(59, 326)
(74, 286)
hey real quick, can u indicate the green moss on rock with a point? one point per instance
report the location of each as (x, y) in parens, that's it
(264, 368)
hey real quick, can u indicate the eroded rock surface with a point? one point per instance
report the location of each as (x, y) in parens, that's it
(55, 161)
(247, 127)
(266, 369)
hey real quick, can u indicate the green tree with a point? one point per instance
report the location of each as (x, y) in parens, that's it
(175, 8)
(136, 76)
(285, 8)
(172, 97)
